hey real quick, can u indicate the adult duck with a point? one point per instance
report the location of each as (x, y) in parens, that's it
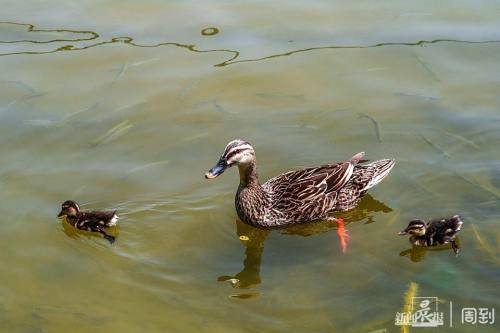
(298, 196)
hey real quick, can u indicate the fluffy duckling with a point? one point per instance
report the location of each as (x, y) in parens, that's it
(95, 221)
(435, 232)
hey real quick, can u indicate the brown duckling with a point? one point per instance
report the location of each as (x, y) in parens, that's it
(95, 221)
(435, 232)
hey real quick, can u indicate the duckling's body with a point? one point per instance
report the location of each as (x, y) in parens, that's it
(435, 232)
(297, 196)
(93, 221)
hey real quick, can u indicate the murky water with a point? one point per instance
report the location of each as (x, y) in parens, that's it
(125, 104)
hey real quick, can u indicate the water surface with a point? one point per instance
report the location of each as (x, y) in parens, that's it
(125, 105)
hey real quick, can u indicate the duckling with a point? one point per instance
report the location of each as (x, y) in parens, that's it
(435, 232)
(95, 221)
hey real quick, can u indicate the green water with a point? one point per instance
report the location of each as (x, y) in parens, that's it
(126, 104)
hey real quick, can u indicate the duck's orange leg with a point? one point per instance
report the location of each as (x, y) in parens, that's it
(342, 234)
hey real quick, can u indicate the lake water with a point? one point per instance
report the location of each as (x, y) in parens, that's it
(126, 104)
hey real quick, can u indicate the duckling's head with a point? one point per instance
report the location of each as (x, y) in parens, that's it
(238, 152)
(69, 208)
(415, 227)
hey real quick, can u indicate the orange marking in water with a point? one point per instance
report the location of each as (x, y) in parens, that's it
(342, 234)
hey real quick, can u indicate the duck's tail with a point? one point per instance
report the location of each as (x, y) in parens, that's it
(114, 219)
(456, 222)
(357, 158)
(377, 170)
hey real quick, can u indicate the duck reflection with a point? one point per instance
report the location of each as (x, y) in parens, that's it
(254, 238)
(74, 233)
(418, 253)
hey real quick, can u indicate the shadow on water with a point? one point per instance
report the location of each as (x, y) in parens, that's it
(234, 59)
(31, 28)
(73, 233)
(418, 253)
(254, 238)
(93, 36)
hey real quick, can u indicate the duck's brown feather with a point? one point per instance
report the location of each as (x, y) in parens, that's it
(92, 220)
(308, 194)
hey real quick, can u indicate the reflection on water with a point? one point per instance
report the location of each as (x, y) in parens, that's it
(30, 28)
(94, 35)
(74, 233)
(209, 32)
(418, 253)
(123, 109)
(254, 246)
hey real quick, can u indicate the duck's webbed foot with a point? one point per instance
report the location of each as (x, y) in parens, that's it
(341, 233)
(455, 248)
(109, 238)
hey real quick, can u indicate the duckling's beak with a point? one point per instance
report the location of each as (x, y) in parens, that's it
(61, 214)
(217, 170)
(403, 232)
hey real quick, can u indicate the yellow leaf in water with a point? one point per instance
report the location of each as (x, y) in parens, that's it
(394, 218)
(113, 133)
(245, 296)
(412, 292)
(485, 182)
(484, 245)
(244, 238)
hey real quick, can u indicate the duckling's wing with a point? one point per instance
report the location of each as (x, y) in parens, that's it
(450, 227)
(456, 222)
(98, 219)
(108, 217)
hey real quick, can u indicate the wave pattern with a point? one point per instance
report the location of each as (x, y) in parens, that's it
(234, 54)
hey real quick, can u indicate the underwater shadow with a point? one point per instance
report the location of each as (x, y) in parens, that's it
(254, 238)
(76, 234)
(418, 253)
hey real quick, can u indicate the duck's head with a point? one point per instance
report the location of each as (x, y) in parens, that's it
(69, 208)
(415, 227)
(238, 152)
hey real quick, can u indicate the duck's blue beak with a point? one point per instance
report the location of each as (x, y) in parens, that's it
(403, 232)
(217, 170)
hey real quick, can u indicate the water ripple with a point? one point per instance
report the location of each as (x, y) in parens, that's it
(234, 59)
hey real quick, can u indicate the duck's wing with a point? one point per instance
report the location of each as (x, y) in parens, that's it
(448, 227)
(310, 191)
(97, 220)
(329, 177)
(444, 230)
(456, 223)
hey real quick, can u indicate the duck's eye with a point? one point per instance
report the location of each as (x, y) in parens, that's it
(234, 152)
